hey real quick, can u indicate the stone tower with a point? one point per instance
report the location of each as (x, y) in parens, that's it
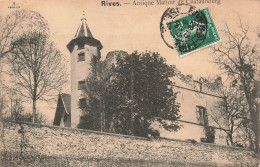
(82, 48)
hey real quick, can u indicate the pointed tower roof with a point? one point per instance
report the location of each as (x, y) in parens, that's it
(83, 30)
(84, 36)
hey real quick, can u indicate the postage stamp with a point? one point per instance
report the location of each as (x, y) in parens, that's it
(194, 32)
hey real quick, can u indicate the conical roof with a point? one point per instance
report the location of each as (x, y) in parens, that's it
(83, 30)
(84, 36)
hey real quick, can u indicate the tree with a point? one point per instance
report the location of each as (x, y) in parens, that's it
(138, 92)
(93, 110)
(15, 24)
(147, 91)
(11, 28)
(232, 109)
(239, 59)
(38, 67)
(97, 83)
(8, 29)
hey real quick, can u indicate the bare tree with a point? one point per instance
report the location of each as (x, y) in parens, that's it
(38, 67)
(232, 111)
(11, 27)
(14, 24)
(7, 32)
(7, 29)
(239, 58)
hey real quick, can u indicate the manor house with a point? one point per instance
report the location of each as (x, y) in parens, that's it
(197, 100)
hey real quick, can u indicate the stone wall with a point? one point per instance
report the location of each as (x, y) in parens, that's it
(27, 144)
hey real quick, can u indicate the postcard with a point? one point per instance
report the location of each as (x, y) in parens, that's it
(129, 82)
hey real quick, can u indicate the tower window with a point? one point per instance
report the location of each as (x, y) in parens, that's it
(81, 46)
(202, 115)
(82, 103)
(81, 85)
(81, 56)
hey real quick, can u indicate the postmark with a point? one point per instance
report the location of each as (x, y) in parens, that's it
(169, 15)
(192, 32)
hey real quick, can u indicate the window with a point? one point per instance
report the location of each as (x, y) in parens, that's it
(81, 46)
(82, 103)
(198, 85)
(202, 115)
(81, 85)
(81, 56)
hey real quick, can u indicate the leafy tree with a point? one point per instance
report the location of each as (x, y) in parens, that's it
(94, 114)
(239, 58)
(138, 92)
(37, 66)
(147, 90)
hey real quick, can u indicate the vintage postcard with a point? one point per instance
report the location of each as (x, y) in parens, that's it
(153, 83)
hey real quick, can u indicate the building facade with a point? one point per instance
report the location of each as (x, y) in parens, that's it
(199, 110)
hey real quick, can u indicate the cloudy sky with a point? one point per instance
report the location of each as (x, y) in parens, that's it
(130, 27)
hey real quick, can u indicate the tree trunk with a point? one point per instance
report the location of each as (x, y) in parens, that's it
(231, 139)
(34, 98)
(231, 132)
(103, 117)
(34, 111)
(1, 107)
(132, 98)
(250, 138)
(227, 141)
(12, 108)
(254, 114)
(145, 127)
(256, 129)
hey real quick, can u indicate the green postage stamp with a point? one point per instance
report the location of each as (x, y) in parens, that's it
(194, 31)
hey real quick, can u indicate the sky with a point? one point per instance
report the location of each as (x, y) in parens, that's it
(134, 27)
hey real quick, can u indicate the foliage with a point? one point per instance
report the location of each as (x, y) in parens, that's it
(27, 117)
(95, 92)
(19, 115)
(138, 92)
